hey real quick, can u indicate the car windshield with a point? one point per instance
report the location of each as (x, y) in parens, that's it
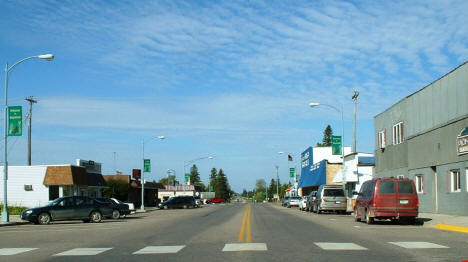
(55, 202)
(333, 192)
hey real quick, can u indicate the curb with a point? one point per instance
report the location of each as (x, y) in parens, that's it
(452, 228)
(5, 224)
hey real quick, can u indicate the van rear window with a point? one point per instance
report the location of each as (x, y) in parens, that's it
(387, 187)
(333, 192)
(405, 187)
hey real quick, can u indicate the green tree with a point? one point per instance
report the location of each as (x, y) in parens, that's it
(271, 189)
(244, 193)
(194, 175)
(222, 189)
(260, 185)
(117, 188)
(213, 177)
(259, 196)
(283, 189)
(170, 180)
(327, 135)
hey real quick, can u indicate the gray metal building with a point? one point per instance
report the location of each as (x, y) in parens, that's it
(424, 137)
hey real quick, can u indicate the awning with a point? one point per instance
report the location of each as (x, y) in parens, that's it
(315, 176)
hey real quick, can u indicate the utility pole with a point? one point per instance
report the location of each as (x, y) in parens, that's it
(115, 165)
(31, 102)
(354, 97)
(277, 183)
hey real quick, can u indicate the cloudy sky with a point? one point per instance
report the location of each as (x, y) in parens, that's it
(231, 79)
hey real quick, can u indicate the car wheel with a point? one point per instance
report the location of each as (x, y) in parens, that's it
(356, 216)
(43, 219)
(115, 214)
(369, 219)
(95, 217)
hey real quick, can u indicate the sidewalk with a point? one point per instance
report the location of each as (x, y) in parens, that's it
(14, 220)
(445, 222)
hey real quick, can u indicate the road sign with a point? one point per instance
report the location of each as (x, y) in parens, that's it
(211, 189)
(336, 145)
(15, 121)
(187, 178)
(136, 173)
(292, 172)
(147, 165)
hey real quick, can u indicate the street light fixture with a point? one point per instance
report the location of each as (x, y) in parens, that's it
(342, 130)
(142, 207)
(186, 163)
(48, 57)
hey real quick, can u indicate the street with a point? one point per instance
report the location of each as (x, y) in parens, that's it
(230, 232)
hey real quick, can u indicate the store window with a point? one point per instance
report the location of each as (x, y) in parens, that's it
(455, 181)
(419, 183)
(53, 192)
(398, 133)
(382, 139)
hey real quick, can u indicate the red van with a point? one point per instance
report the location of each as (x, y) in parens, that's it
(387, 198)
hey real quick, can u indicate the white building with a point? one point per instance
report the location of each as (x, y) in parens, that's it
(33, 186)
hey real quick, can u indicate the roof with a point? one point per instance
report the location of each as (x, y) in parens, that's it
(65, 175)
(148, 185)
(72, 175)
(125, 178)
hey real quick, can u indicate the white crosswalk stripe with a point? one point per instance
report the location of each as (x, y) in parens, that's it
(339, 246)
(415, 245)
(14, 251)
(159, 250)
(245, 247)
(84, 251)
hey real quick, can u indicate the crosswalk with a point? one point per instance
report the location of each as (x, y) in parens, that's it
(230, 247)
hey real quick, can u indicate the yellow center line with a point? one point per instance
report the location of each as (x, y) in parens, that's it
(245, 227)
(248, 238)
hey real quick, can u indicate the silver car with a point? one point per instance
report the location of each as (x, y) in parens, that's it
(293, 201)
(330, 198)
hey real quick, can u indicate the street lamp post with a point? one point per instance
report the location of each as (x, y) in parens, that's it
(342, 130)
(186, 163)
(168, 172)
(142, 207)
(48, 57)
(277, 184)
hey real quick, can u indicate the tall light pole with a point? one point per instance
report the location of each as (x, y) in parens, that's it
(48, 57)
(142, 207)
(168, 172)
(342, 130)
(354, 97)
(277, 183)
(186, 163)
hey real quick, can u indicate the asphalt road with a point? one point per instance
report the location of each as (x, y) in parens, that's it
(231, 232)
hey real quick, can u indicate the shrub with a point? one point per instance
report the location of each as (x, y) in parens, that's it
(14, 210)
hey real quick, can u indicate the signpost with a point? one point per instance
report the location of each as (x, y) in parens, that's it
(187, 178)
(147, 165)
(15, 121)
(292, 172)
(336, 145)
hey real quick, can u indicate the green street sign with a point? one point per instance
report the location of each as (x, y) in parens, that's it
(211, 189)
(15, 121)
(187, 178)
(147, 165)
(336, 145)
(292, 172)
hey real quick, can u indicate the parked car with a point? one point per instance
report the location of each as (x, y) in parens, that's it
(69, 208)
(387, 198)
(293, 201)
(285, 201)
(330, 198)
(119, 208)
(311, 200)
(217, 200)
(131, 206)
(178, 202)
(303, 204)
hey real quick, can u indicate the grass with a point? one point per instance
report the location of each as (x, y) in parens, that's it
(14, 210)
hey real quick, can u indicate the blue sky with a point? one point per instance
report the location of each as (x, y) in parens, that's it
(231, 79)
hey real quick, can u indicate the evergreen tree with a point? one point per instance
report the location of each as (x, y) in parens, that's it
(327, 136)
(244, 193)
(194, 175)
(213, 177)
(272, 189)
(170, 180)
(222, 189)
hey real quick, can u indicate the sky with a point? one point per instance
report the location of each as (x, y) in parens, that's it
(228, 79)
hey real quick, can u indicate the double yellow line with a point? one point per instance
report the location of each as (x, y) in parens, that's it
(245, 227)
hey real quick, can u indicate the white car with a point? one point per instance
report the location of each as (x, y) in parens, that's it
(303, 204)
(131, 206)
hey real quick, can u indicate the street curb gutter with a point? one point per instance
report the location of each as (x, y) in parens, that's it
(452, 228)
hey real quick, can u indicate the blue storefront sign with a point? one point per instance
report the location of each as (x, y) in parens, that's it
(315, 175)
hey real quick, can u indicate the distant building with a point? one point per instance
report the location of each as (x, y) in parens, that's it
(179, 190)
(424, 137)
(134, 190)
